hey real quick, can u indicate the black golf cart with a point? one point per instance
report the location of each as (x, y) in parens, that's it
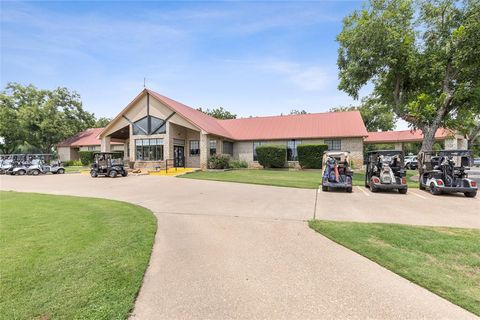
(105, 164)
(384, 171)
(445, 172)
(337, 173)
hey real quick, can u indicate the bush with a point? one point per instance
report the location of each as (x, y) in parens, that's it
(310, 155)
(238, 164)
(272, 156)
(219, 161)
(70, 163)
(86, 157)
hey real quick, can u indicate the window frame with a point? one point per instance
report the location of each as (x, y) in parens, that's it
(196, 151)
(293, 154)
(255, 145)
(149, 149)
(214, 148)
(333, 144)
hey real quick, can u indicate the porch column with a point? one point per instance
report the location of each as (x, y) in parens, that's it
(399, 146)
(105, 144)
(126, 156)
(203, 150)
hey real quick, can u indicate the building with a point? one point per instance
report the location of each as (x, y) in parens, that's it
(449, 138)
(157, 129)
(84, 141)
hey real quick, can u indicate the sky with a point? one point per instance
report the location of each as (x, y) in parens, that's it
(251, 58)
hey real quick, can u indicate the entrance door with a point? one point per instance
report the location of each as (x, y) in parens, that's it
(178, 156)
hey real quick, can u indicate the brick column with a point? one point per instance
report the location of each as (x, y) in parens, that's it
(399, 146)
(105, 144)
(204, 149)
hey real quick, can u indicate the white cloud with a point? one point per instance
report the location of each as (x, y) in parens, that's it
(307, 78)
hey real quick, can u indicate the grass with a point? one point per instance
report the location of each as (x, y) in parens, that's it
(443, 260)
(308, 179)
(71, 258)
(73, 169)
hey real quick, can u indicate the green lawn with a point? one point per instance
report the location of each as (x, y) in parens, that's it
(308, 179)
(71, 258)
(72, 169)
(443, 260)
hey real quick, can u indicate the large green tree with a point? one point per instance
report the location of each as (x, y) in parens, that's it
(42, 117)
(219, 113)
(376, 115)
(422, 58)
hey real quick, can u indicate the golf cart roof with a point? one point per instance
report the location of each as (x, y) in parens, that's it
(386, 152)
(336, 153)
(449, 152)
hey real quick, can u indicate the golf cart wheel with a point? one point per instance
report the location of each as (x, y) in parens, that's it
(349, 189)
(60, 171)
(421, 186)
(472, 194)
(112, 174)
(434, 190)
(93, 174)
(35, 172)
(373, 188)
(324, 188)
(124, 173)
(402, 191)
(21, 172)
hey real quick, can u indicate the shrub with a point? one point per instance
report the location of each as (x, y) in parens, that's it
(70, 163)
(238, 164)
(310, 155)
(219, 161)
(272, 156)
(86, 157)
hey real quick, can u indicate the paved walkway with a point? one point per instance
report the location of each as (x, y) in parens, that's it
(226, 250)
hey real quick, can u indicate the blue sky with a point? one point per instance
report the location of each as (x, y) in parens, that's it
(253, 58)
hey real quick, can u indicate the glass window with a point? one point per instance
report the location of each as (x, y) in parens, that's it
(155, 126)
(292, 154)
(334, 145)
(228, 147)
(255, 145)
(194, 147)
(213, 147)
(91, 148)
(149, 149)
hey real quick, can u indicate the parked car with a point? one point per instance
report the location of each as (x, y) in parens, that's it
(411, 163)
(337, 173)
(446, 172)
(105, 165)
(384, 171)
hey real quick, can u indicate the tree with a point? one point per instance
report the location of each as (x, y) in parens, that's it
(43, 117)
(297, 111)
(102, 122)
(375, 114)
(11, 133)
(219, 113)
(421, 56)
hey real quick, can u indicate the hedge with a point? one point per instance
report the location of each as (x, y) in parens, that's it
(86, 157)
(310, 155)
(271, 155)
(219, 161)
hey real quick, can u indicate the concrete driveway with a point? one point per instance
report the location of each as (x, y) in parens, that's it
(226, 250)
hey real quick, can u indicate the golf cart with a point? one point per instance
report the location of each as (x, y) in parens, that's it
(104, 164)
(384, 171)
(445, 172)
(38, 166)
(411, 163)
(337, 173)
(18, 165)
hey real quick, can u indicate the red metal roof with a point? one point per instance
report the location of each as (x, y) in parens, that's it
(88, 137)
(303, 126)
(404, 136)
(198, 118)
